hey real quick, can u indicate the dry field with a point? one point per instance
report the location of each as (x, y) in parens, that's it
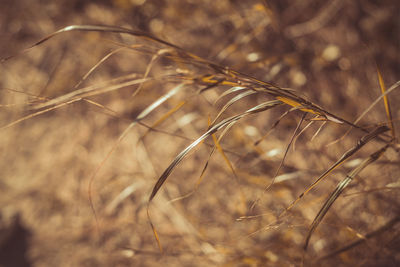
(247, 133)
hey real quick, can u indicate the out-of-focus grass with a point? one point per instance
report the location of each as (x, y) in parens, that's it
(327, 52)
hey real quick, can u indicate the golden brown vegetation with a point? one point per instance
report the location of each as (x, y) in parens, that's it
(248, 133)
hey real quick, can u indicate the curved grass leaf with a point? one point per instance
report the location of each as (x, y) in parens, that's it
(101, 61)
(364, 140)
(339, 189)
(231, 102)
(212, 130)
(99, 28)
(230, 91)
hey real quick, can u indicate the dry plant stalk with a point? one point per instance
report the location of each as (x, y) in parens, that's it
(235, 83)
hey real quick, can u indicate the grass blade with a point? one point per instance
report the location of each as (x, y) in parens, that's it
(386, 102)
(230, 91)
(391, 89)
(97, 28)
(231, 102)
(364, 140)
(213, 129)
(163, 118)
(339, 189)
(101, 61)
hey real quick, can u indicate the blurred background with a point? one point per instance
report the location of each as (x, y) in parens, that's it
(328, 51)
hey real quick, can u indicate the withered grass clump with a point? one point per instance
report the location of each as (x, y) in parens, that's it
(118, 140)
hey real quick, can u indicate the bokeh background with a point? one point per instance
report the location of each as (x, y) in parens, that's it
(328, 51)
